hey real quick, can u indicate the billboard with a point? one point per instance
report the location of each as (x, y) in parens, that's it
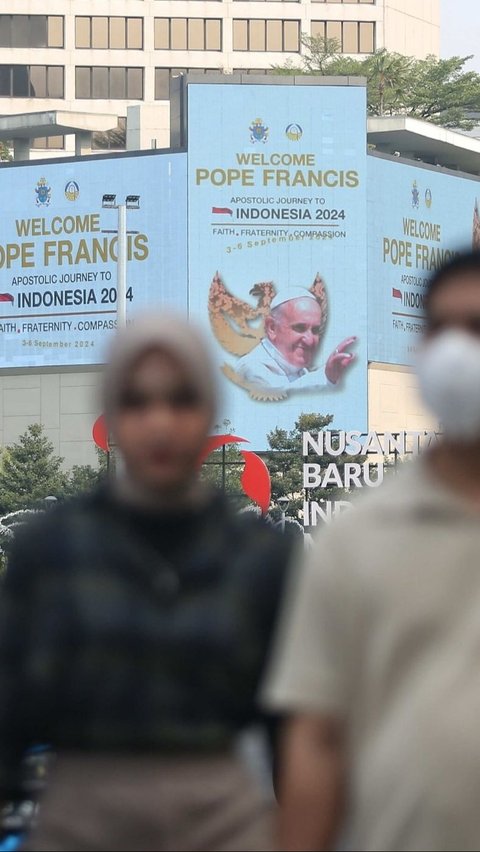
(58, 253)
(418, 218)
(277, 249)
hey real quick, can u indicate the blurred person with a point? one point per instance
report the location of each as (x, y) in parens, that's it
(378, 658)
(285, 358)
(134, 625)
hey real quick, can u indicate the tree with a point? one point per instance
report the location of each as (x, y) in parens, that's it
(83, 478)
(30, 471)
(224, 467)
(432, 89)
(5, 153)
(285, 462)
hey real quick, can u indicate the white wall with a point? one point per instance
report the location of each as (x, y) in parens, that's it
(65, 403)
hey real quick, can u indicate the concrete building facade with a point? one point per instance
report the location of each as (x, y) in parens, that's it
(70, 57)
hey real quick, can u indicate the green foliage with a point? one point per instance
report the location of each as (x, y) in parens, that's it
(84, 478)
(223, 469)
(30, 471)
(285, 462)
(5, 154)
(432, 89)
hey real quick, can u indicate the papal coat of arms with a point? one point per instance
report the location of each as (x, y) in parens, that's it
(240, 327)
(258, 131)
(43, 192)
(415, 195)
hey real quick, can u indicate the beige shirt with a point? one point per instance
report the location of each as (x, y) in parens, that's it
(384, 632)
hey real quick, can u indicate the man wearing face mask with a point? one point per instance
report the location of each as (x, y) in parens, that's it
(378, 657)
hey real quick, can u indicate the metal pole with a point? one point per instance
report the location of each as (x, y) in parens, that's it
(122, 267)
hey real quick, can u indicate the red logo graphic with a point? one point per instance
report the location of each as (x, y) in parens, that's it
(256, 481)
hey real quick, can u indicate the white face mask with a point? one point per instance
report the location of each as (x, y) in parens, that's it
(448, 369)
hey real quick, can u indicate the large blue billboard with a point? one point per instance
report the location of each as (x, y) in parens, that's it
(418, 218)
(58, 253)
(277, 249)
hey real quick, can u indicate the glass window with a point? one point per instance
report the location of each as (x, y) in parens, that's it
(213, 34)
(38, 81)
(37, 31)
(31, 31)
(162, 34)
(318, 29)
(266, 35)
(196, 34)
(111, 139)
(257, 35)
(83, 83)
(99, 33)
(274, 35)
(350, 37)
(5, 30)
(135, 83)
(367, 37)
(135, 33)
(292, 36)
(118, 88)
(162, 84)
(55, 82)
(20, 31)
(55, 32)
(178, 34)
(49, 143)
(20, 84)
(334, 30)
(5, 81)
(99, 82)
(82, 32)
(240, 35)
(118, 35)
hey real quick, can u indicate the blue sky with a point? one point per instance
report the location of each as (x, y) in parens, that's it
(460, 28)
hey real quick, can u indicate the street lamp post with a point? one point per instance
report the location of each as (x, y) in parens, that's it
(132, 202)
(284, 503)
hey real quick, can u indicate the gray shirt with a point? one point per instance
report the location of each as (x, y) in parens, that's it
(384, 633)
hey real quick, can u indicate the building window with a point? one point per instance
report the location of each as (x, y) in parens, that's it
(188, 34)
(32, 81)
(101, 82)
(103, 33)
(31, 31)
(49, 143)
(352, 36)
(274, 36)
(111, 140)
(163, 77)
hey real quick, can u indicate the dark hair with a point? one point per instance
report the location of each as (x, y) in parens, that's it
(464, 263)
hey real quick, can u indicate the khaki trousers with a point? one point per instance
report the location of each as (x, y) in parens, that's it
(98, 802)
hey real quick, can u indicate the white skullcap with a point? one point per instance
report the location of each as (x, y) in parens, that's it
(291, 295)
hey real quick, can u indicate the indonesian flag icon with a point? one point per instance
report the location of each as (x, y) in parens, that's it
(222, 211)
(397, 294)
(7, 297)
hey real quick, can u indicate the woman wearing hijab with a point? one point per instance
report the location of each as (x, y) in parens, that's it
(134, 627)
